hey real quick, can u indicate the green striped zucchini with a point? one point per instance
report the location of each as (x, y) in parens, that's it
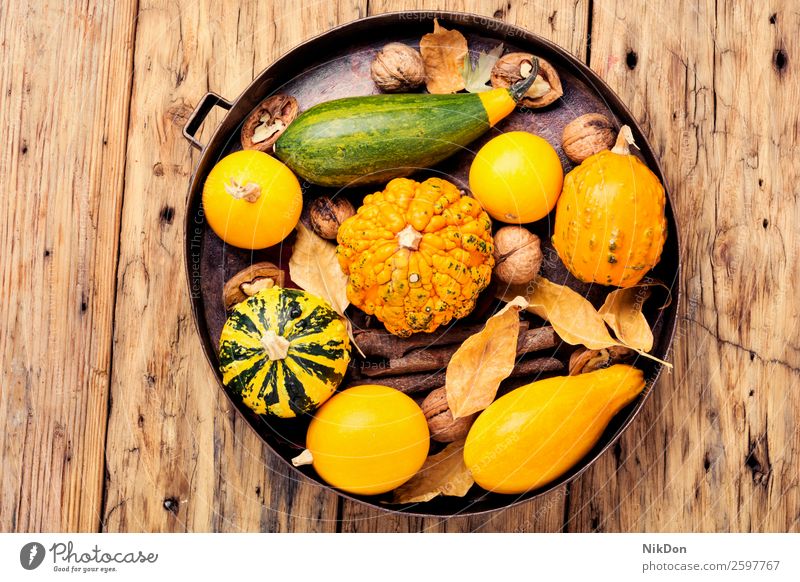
(283, 352)
(372, 139)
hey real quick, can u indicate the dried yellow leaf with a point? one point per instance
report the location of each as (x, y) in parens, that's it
(577, 322)
(315, 268)
(622, 311)
(443, 52)
(483, 361)
(444, 473)
(572, 316)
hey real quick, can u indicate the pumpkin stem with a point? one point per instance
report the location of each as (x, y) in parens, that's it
(624, 140)
(304, 458)
(409, 238)
(249, 191)
(276, 346)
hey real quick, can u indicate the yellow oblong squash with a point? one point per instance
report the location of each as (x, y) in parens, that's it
(536, 433)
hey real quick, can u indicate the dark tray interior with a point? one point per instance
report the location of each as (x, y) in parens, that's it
(344, 71)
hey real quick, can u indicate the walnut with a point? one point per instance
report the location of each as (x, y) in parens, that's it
(587, 135)
(441, 425)
(250, 281)
(327, 214)
(515, 66)
(517, 255)
(267, 122)
(397, 68)
(584, 360)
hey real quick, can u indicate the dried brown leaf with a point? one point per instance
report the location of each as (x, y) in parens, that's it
(444, 473)
(315, 268)
(443, 52)
(483, 361)
(622, 311)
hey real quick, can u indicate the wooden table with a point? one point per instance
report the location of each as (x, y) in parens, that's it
(111, 418)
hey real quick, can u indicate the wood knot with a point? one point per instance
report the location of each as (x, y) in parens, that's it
(727, 248)
(780, 59)
(757, 460)
(179, 113)
(167, 215)
(172, 505)
(631, 59)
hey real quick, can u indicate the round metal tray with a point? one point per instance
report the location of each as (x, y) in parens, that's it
(336, 64)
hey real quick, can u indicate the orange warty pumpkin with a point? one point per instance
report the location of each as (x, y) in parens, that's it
(610, 225)
(417, 254)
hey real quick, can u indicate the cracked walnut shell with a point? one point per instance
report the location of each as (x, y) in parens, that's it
(250, 281)
(267, 122)
(515, 66)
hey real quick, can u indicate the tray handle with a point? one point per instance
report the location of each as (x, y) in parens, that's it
(207, 103)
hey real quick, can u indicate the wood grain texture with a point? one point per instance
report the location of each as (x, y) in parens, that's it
(179, 459)
(716, 447)
(65, 83)
(96, 326)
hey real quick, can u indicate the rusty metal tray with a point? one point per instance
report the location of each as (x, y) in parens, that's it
(336, 64)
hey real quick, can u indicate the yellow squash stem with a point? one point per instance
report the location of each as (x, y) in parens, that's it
(304, 458)
(500, 102)
(249, 191)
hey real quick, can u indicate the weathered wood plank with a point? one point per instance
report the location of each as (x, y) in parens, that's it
(65, 82)
(564, 22)
(178, 457)
(716, 448)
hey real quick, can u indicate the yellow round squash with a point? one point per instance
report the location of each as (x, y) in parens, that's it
(517, 177)
(251, 200)
(367, 440)
(610, 225)
(417, 254)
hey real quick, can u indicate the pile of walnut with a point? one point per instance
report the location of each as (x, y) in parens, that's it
(399, 68)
